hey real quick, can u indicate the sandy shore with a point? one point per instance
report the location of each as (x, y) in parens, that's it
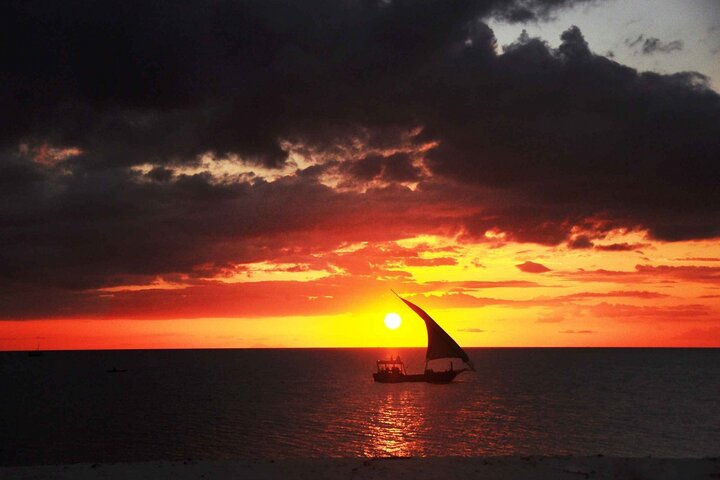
(451, 468)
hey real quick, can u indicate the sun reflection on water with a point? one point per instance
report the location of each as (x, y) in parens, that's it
(397, 426)
(418, 420)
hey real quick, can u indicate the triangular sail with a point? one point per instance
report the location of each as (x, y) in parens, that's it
(440, 344)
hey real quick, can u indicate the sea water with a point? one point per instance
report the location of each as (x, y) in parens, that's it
(65, 407)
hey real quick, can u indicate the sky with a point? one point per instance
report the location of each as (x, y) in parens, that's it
(226, 174)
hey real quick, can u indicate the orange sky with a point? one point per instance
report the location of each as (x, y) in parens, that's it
(493, 293)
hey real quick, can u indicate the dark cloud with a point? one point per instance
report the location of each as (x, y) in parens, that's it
(158, 79)
(160, 174)
(649, 274)
(397, 167)
(621, 247)
(651, 45)
(685, 273)
(580, 242)
(100, 230)
(577, 331)
(524, 11)
(532, 267)
(567, 135)
(621, 293)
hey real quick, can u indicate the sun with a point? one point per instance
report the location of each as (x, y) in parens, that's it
(392, 320)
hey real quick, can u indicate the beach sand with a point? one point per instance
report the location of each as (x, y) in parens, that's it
(450, 468)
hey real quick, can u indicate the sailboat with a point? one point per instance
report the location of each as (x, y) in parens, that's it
(440, 345)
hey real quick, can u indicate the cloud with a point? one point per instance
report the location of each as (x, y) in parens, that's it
(688, 273)
(580, 242)
(709, 335)
(223, 76)
(651, 45)
(648, 274)
(430, 262)
(697, 259)
(628, 313)
(549, 189)
(531, 10)
(621, 247)
(550, 318)
(472, 330)
(622, 293)
(457, 300)
(532, 267)
(470, 285)
(577, 331)
(397, 167)
(210, 299)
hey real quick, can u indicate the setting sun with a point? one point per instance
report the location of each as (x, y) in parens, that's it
(392, 320)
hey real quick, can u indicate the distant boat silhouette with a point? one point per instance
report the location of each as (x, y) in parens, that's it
(117, 370)
(440, 345)
(35, 353)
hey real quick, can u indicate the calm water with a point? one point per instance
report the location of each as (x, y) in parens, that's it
(64, 406)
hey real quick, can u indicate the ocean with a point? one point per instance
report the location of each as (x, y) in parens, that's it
(65, 407)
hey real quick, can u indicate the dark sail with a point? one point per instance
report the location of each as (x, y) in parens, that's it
(440, 344)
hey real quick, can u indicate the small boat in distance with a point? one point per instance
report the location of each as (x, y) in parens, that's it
(440, 345)
(35, 353)
(117, 370)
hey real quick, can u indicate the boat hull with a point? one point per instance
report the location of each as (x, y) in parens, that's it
(427, 377)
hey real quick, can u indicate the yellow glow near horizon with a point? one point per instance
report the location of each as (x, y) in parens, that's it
(392, 320)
